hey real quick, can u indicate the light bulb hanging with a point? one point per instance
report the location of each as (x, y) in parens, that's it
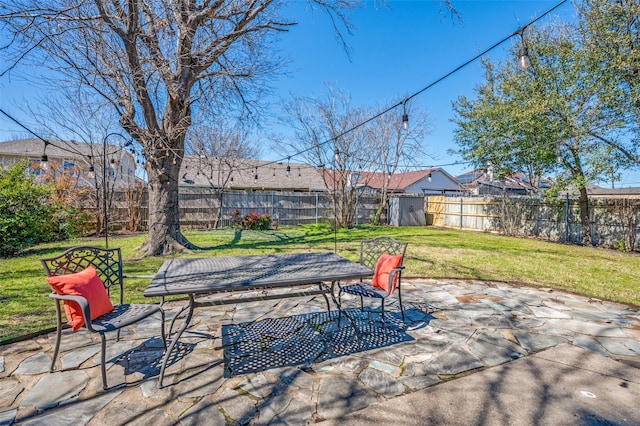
(44, 160)
(288, 172)
(255, 177)
(523, 52)
(405, 116)
(429, 177)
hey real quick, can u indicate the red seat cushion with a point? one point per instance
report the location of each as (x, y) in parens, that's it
(386, 263)
(87, 284)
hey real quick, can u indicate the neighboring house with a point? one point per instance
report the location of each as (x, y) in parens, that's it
(249, 175)
(240, 174)
(433, 181)
(76, 159)
(595, 191)
(481, 182)
(626, 193)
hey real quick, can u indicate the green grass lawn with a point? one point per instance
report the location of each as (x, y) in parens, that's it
(432, 253)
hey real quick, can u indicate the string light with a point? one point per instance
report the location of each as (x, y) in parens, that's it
(429, 177)
(44, 160)
(255, 177)
(523, 52)
(405, 116)
(523, 60)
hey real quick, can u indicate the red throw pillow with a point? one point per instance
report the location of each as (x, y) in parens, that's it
(85, 283)
(386, 263)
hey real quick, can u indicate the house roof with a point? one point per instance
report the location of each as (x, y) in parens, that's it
(515, 182)
(398, 181)
(631, 191)
(55, 149)
(197, 171)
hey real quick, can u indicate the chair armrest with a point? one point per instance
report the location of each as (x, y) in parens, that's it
(82, 302)
(392, 275)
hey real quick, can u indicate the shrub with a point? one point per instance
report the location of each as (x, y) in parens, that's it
(28, 213)
(251, 220)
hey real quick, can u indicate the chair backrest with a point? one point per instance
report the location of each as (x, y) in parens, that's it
(107, 263)
(370, 250)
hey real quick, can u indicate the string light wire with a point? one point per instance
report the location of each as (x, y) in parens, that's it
(518, 32)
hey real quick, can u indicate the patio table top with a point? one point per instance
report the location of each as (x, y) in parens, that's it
(236, 273)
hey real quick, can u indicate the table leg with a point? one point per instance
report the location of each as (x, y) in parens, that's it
(326, 299)
(339, 305)
(175, 339)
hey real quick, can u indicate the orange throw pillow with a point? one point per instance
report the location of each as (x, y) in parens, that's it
(386, 263)
(87, 284)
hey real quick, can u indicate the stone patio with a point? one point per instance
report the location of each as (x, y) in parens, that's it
(290, 362)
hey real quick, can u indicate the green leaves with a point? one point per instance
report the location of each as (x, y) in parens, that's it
(27, 216)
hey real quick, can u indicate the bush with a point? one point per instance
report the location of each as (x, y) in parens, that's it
(28, 216)
(251, 220)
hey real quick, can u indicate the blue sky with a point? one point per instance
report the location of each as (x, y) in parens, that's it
(396, 51)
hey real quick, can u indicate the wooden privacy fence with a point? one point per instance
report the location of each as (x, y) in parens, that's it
(614, 222)
(204, 208)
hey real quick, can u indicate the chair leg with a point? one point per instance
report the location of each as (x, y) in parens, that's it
(382, 308)
(400, 301)
(56, 349)
(164, 337)
(103, 356)
(362, 303)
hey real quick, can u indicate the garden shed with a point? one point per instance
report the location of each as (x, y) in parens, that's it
(406, 210)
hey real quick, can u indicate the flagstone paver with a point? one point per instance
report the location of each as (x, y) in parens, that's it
(451, 328)
(35, 364)
(56, 388)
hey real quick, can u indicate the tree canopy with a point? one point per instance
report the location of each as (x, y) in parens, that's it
(570, 114)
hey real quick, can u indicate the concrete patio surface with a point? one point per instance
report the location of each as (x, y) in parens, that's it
(468, 352)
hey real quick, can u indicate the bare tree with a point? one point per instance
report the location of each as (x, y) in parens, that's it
(220, 151)
(396, 137)
(327, 135)
(153, 62)
(78, 123)
(350, 141)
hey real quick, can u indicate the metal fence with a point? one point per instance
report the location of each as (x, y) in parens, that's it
(614, 222)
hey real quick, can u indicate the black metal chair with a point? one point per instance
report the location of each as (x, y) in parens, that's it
(370, 252)
(108, 266)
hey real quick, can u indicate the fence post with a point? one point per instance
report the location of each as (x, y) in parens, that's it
(460, 212)
(566, 218)
(316, 208)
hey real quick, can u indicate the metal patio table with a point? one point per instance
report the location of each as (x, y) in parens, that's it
(205, 276)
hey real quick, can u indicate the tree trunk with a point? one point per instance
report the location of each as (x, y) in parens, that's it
(164, 236)
(585, 221)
